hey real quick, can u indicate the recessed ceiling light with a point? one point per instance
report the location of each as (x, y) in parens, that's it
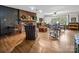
(32, 8)
(40, 11)
(57, 22)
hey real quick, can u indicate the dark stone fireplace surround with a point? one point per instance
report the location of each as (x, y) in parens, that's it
(8, 19)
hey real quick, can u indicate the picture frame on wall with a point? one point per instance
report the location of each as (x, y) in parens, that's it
(73, 19)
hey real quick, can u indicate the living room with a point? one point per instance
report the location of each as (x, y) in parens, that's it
(39, 28)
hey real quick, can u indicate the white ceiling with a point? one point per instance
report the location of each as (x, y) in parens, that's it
(48, 9)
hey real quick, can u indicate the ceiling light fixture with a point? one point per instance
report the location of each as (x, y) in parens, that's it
(35, 9)
(40, 11)
(32, 8)
(55, 12)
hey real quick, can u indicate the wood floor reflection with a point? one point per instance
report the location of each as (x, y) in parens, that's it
(46, 44)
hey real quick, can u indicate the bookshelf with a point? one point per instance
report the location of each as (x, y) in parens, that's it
(73, 26)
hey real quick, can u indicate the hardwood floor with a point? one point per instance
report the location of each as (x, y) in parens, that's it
(8, 43)
(43, 44)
